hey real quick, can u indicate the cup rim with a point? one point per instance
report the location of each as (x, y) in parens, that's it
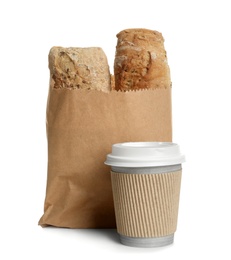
(144, 154)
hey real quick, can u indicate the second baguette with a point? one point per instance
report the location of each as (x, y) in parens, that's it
(141, 61)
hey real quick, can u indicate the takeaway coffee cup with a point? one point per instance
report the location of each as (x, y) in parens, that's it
(146, 178)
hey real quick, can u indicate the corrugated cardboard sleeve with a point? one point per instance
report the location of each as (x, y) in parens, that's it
(146, 205)
(82, 125)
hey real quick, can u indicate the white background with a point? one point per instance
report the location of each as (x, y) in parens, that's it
(197, 40)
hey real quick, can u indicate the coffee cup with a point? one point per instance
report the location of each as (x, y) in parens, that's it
(146, 180)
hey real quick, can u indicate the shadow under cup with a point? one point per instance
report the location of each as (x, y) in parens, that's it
(146, 179)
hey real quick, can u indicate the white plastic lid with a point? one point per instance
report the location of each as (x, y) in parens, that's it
(144, 154)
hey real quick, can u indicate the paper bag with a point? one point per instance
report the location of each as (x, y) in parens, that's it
(82, 125)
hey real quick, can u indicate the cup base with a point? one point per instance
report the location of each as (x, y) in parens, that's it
(147, 242)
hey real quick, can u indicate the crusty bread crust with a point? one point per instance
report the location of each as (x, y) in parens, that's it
(140, 60)
(85, 68)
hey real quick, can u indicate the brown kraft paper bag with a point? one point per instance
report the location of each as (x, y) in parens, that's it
(82, 125)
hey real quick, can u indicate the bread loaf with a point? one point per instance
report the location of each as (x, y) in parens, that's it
(141, 61)
(85, 68)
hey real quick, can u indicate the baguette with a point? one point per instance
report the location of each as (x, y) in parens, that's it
(141, 61)
(79, 68)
